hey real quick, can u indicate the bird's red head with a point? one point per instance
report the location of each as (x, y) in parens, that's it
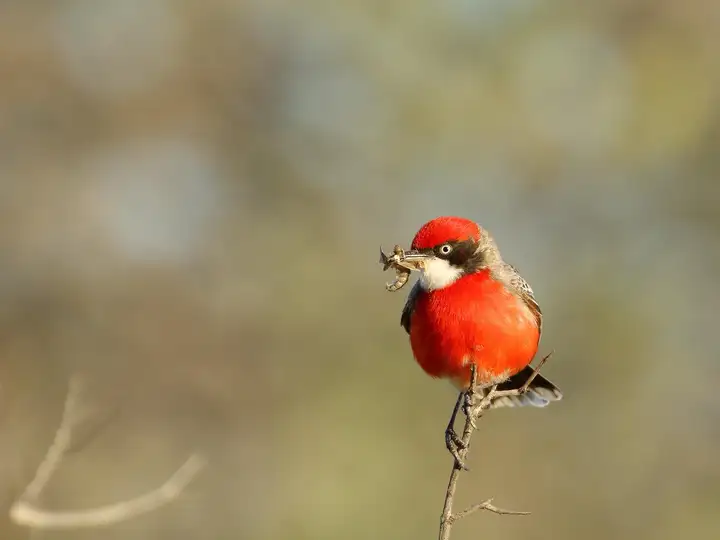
(447, 248)
(445, 229)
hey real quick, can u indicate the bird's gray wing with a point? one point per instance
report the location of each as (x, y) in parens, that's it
(522, 288)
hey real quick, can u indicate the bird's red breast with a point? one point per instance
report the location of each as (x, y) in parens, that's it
(476, 319)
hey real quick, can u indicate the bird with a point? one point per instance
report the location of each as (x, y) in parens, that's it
(469, 307)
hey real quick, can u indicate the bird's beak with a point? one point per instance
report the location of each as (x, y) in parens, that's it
(413, 259)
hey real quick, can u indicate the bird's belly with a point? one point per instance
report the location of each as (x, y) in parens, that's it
(497, 332)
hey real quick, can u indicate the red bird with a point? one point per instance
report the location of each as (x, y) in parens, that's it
(471, 307)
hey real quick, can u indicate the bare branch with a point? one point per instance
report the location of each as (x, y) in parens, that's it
(487, 505)
(459, 447)
(24, 512)
(60, 444)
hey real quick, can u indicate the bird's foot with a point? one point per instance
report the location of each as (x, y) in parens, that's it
(455, 446)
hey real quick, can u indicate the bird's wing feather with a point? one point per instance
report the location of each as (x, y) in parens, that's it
(410, 306)
(522, 288)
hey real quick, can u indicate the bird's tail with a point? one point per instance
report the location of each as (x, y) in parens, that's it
(539, 394)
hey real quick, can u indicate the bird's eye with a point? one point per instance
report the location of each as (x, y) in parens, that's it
(445, 249)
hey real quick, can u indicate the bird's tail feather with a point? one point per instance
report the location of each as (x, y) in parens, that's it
(539, 394)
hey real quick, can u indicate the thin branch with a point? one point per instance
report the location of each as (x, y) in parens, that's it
(487, 505)
(460, 446)
(24, 511)
(61, 442)
(28, 515)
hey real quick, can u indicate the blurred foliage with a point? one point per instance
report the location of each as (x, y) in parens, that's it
(191, 199)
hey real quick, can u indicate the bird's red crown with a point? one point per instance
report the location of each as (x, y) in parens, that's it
(445, 228)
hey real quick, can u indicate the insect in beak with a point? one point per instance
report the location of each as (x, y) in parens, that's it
(402, 274)
(403, 262)
(412, 259)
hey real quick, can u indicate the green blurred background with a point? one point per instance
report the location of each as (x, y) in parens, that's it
(192, 195)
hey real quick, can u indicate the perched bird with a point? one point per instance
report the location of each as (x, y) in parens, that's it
(471, 307)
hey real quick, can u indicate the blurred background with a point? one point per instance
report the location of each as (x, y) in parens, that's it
(192, 195)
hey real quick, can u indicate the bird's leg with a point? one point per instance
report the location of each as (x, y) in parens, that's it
(469, 403)
(475, 410)
(471, 407)
(469, 396)
(454, 443)
(466, 399)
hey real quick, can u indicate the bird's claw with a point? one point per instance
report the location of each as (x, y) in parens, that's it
(455, 445)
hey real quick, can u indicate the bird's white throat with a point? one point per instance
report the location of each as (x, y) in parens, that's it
(438, 274)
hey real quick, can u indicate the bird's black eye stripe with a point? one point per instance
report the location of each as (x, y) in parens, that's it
(459, 252)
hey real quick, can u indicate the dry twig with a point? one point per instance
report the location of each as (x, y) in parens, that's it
(460, 446)
(24, 511)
